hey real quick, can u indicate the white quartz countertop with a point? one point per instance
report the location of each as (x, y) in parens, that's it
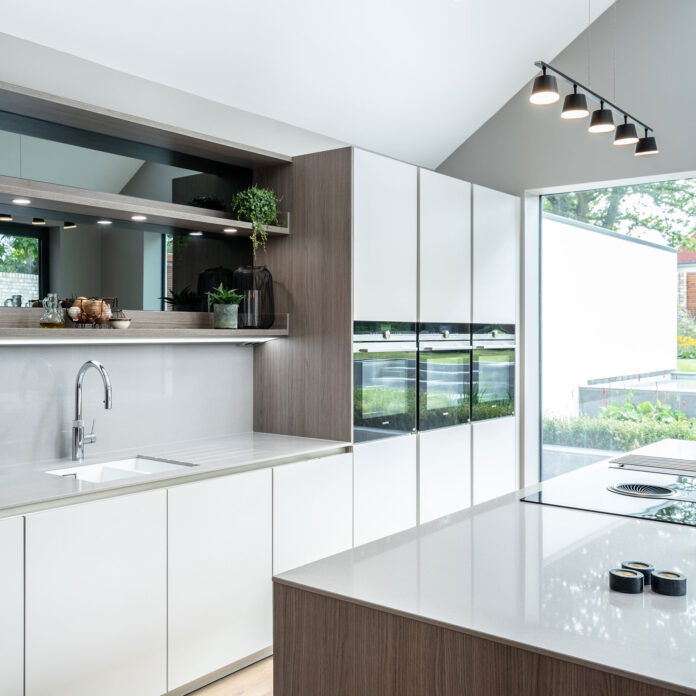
(27, 487)
(533, 576)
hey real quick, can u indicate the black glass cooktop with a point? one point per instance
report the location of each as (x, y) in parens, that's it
(619, 491)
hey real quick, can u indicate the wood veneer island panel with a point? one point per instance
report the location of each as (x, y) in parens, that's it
(327, 646)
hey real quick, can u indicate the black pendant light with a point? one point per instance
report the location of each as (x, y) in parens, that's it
(575, 105)
(646, 145)
(626, 133)
(544, 90)
(602, 120)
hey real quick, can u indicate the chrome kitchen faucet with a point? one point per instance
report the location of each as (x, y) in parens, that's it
(79, 439)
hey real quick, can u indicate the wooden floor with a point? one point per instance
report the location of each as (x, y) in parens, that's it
(256, 680)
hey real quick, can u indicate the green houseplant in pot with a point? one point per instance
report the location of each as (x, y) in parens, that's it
(258, 206)
(183, 301)
(225, 302)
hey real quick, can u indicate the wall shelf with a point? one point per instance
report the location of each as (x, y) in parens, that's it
(68, 199)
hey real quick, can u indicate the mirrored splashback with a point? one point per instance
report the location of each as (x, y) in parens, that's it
(138, 263)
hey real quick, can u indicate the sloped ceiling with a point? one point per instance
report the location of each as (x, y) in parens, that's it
(409, 78)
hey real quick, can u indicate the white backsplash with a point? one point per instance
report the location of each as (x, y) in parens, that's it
(161, 393)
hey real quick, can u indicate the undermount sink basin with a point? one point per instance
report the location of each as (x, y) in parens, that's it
(135, 467)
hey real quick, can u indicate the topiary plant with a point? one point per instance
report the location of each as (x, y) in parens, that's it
(259, 207)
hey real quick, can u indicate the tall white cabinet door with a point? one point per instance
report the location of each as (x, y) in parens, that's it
(220, 546)
(496, 222)
(12, 606)
(312, 510)
(445, 248)
(385, 238)
(96, 598)
(444, 471)
(384, 487)
(494, 458)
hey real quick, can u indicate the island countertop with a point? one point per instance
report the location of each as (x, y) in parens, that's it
(27, 487)
(535, 577)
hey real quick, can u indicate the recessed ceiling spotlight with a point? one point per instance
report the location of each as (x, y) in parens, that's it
(230, 230)
(103, 222)
(5, 217)
(69, 225)
(196, 234)
(38, 221)
(139, 218)
(21, 201)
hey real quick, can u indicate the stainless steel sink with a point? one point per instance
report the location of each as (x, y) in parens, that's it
(134, 467)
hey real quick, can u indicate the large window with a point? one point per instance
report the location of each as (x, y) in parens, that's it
(23, 264)
(618, 337)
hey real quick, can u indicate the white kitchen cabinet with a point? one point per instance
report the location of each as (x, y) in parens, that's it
(312, 510)
(385, 238)
(445, 248)
(96, 598)
(220, 548)
(384, 482)
(495, 230)
(494, 458)
(12, 606)
(444, 471)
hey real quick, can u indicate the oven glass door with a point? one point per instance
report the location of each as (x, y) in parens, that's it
(384, 391)
(444, 384)
(493, 383)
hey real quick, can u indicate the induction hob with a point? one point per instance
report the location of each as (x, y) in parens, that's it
(618, 490)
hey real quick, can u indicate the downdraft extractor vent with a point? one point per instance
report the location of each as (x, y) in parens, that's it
(642, 490)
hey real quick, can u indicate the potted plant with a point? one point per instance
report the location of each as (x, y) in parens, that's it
(183, 301)
(225, 303)
(258, 206)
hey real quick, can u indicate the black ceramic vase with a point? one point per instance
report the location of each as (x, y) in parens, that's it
(256, 284)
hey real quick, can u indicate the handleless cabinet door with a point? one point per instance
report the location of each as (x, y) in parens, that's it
(494, 458)
(384, 487)
(496, 222)
(220, 608)
(12, 606)
(312, 510)
(445, 248)
(96, 598)
(385, 238)
(444, 471)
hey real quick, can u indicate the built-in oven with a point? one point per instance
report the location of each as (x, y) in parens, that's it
(384, 380)
(444, 375)
(493, 371)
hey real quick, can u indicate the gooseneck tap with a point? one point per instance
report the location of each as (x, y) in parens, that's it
(79, 439)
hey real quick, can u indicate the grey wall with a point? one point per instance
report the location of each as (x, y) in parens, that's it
(160, 394)
(524, 146)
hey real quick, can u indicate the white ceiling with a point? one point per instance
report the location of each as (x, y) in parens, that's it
(409, 78)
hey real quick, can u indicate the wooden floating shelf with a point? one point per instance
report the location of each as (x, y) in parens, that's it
(19, 327)
(68, 199)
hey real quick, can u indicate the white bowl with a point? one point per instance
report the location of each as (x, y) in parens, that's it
(120, 323)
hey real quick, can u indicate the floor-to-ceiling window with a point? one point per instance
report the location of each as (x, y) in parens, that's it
(618, 321)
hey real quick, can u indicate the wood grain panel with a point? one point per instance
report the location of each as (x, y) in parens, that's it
(303, 387)
(68, 112)
(326, 646)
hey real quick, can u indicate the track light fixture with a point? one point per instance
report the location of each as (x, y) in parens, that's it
(5, 217)
(647, 145)
(575, 105)
(545, 91)
(38, 221)
(69, 225)
(626, 133)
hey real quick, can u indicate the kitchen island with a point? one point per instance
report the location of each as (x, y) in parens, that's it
(505, 598)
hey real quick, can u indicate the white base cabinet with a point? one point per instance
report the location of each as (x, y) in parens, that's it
(312, 510)
(444, 471)
(96, 598)
(494, 458)
(384, 487)
(12, 606)
(220, 593)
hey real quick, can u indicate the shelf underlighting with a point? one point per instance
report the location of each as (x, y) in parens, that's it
(139, 218)
(230, 230)
(196, 234)
(103, 222)
(21, 201)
